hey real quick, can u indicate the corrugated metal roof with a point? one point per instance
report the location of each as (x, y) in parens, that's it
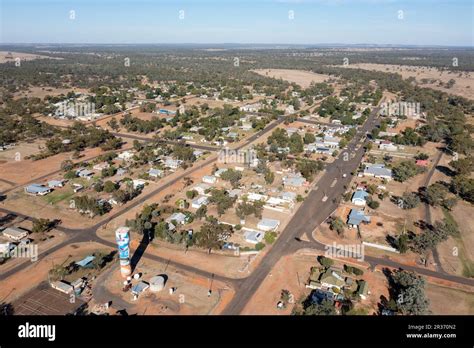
(85, 261)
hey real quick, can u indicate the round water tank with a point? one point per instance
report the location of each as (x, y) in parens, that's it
(157, 283)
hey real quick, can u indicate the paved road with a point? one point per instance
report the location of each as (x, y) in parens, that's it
(311, 214)
(89, 233)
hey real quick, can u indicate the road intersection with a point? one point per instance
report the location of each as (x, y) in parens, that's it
(314, 211)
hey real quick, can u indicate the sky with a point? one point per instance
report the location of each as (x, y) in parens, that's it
(398, 22)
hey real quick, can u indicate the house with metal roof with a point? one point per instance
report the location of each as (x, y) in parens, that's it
(356, 217)
(199, 202)
(235, 193)
(378, 171)
(37, 189)
(388, 146)
(55, 183)
(138, 183)
(101, 166)
(198, 153)
(363, 289)
(332, 279)
(172, 163)
(331, 142)
(179, 218)
(14, 233)
(288, 196)
(360, 197)
(62, 286)
(155, 173)
(121, 171)
(85, 173)
(294, 181)
(126, 155)
(201, 188)
(254, 237)
(220, 171)
(255, 197)
(267, 224)
(209, 179)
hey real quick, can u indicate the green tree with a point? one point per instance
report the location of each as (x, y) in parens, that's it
(405, 170)
(212, 235)
(222, 200)
(463, 166)
(336, 224)
(201, 212)
(269, 177)
(41, 225)
(435, 194)
(233, 176)
(309, 138)
(464, 187)
(373, 204)
(325, 261)
(67, 165)
(296, 144)
(109, 186)
(409, 293)
(402, 243)
(410, 200)
(326, 307)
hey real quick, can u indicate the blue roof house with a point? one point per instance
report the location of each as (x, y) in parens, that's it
(359, 197)
(37, 189)
(356, 217)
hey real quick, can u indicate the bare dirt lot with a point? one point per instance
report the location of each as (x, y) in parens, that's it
(190, 296)
(11, 56)
(447, 301)
(41, 92)
(428, 77)
(300, 77)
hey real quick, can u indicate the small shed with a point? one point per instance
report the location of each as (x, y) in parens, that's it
(86, 262)
(140, 287)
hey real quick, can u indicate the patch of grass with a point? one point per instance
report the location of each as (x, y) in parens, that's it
(467, 264)
(270, 237)
(358, 311)
(58, 196)
(450, 219)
